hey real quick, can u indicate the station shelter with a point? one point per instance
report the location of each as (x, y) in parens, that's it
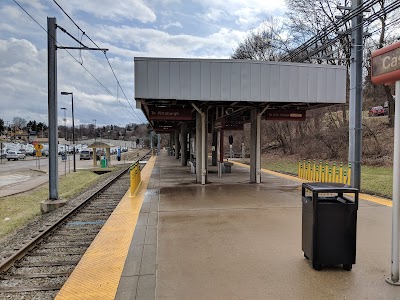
(191, 98)
(101, 146)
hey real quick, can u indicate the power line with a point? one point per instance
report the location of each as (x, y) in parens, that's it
(105, 55)
(61, 46)
(391, 7)
(327, 30)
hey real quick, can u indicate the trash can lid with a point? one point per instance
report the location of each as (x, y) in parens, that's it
(329, 187)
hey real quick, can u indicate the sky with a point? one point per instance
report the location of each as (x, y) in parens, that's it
(128, 28)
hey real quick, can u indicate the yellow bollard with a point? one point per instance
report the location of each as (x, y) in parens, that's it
(314, 170)
(311, 173)
(320, 170)
(334, 171)
(349, 175)
(298, 170)
(322, 175)
(316, 173)
(337, 176)
(330, 175)
(326, 172)
(345, 176)
(341, 172)
(309, 170)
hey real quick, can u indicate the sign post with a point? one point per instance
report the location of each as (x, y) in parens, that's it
(385, 68)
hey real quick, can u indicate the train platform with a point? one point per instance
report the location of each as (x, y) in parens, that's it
(229, 239)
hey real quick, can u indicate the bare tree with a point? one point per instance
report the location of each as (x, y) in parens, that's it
(19, 122)
(266, 43)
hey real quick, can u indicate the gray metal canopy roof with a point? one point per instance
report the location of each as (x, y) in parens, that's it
(178, 82)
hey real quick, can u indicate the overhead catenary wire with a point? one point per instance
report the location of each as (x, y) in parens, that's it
(326, 31)
(391, 7)
(86, 69)
(105, 55)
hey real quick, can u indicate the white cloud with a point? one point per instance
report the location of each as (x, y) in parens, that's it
(152, 42)
(128, 28)
(174, 24)
(113, 10)
(244, 13)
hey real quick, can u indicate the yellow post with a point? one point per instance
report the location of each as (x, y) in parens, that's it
(309, 170)
(132, 180)
(320, 170)
(298, 170)
(317, 173)
(341, 172)
(337, 176)
(326, 172)
(349, 175)
(330, 175)
(322, 175)
(334, 171)
(313, 176)
(344, 176)
(304, 169)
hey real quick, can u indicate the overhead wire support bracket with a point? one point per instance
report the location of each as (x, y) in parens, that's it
(82, 48)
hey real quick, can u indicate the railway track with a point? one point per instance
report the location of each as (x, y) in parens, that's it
(40, 268)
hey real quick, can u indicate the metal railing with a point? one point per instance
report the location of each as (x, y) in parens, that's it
(312, 171)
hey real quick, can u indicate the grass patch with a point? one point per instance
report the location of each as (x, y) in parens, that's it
(374, 180)
(377, 180)
(24, 207)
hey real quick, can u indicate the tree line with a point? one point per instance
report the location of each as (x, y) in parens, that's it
(83, 131)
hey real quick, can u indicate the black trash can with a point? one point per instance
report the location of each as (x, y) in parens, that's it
(329, 224)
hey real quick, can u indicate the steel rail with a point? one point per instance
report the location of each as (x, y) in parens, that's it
(9, 262)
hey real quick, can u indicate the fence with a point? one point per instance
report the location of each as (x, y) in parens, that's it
(134, 172)
(324, 172)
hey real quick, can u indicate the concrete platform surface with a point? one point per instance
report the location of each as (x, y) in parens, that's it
(235, 240)
(229, 239)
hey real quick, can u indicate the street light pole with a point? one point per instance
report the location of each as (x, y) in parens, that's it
(95, 135)
(73, 126)
(65, 137)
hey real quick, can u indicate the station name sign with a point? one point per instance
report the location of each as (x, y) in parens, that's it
(285, 115)
(228, 124)
(385, 64)
(170, 114)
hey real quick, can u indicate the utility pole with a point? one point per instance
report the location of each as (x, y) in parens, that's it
(65, 138)
(95, 135)
(355, 104)
(52, 99)
(52, 108)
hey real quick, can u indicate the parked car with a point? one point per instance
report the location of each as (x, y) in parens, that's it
(86, 154)
(376, 111)
(15, 155)
(99, 154)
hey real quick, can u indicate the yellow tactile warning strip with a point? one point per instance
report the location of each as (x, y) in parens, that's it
(99, 271)
(362, 196)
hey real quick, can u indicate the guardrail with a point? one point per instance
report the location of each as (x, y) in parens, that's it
(134, 172)
(321, 172)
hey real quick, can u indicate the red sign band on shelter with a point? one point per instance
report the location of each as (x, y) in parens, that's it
(223, 123)
(285, 115)
(385, 64)
(170, 114)
(164, 129)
